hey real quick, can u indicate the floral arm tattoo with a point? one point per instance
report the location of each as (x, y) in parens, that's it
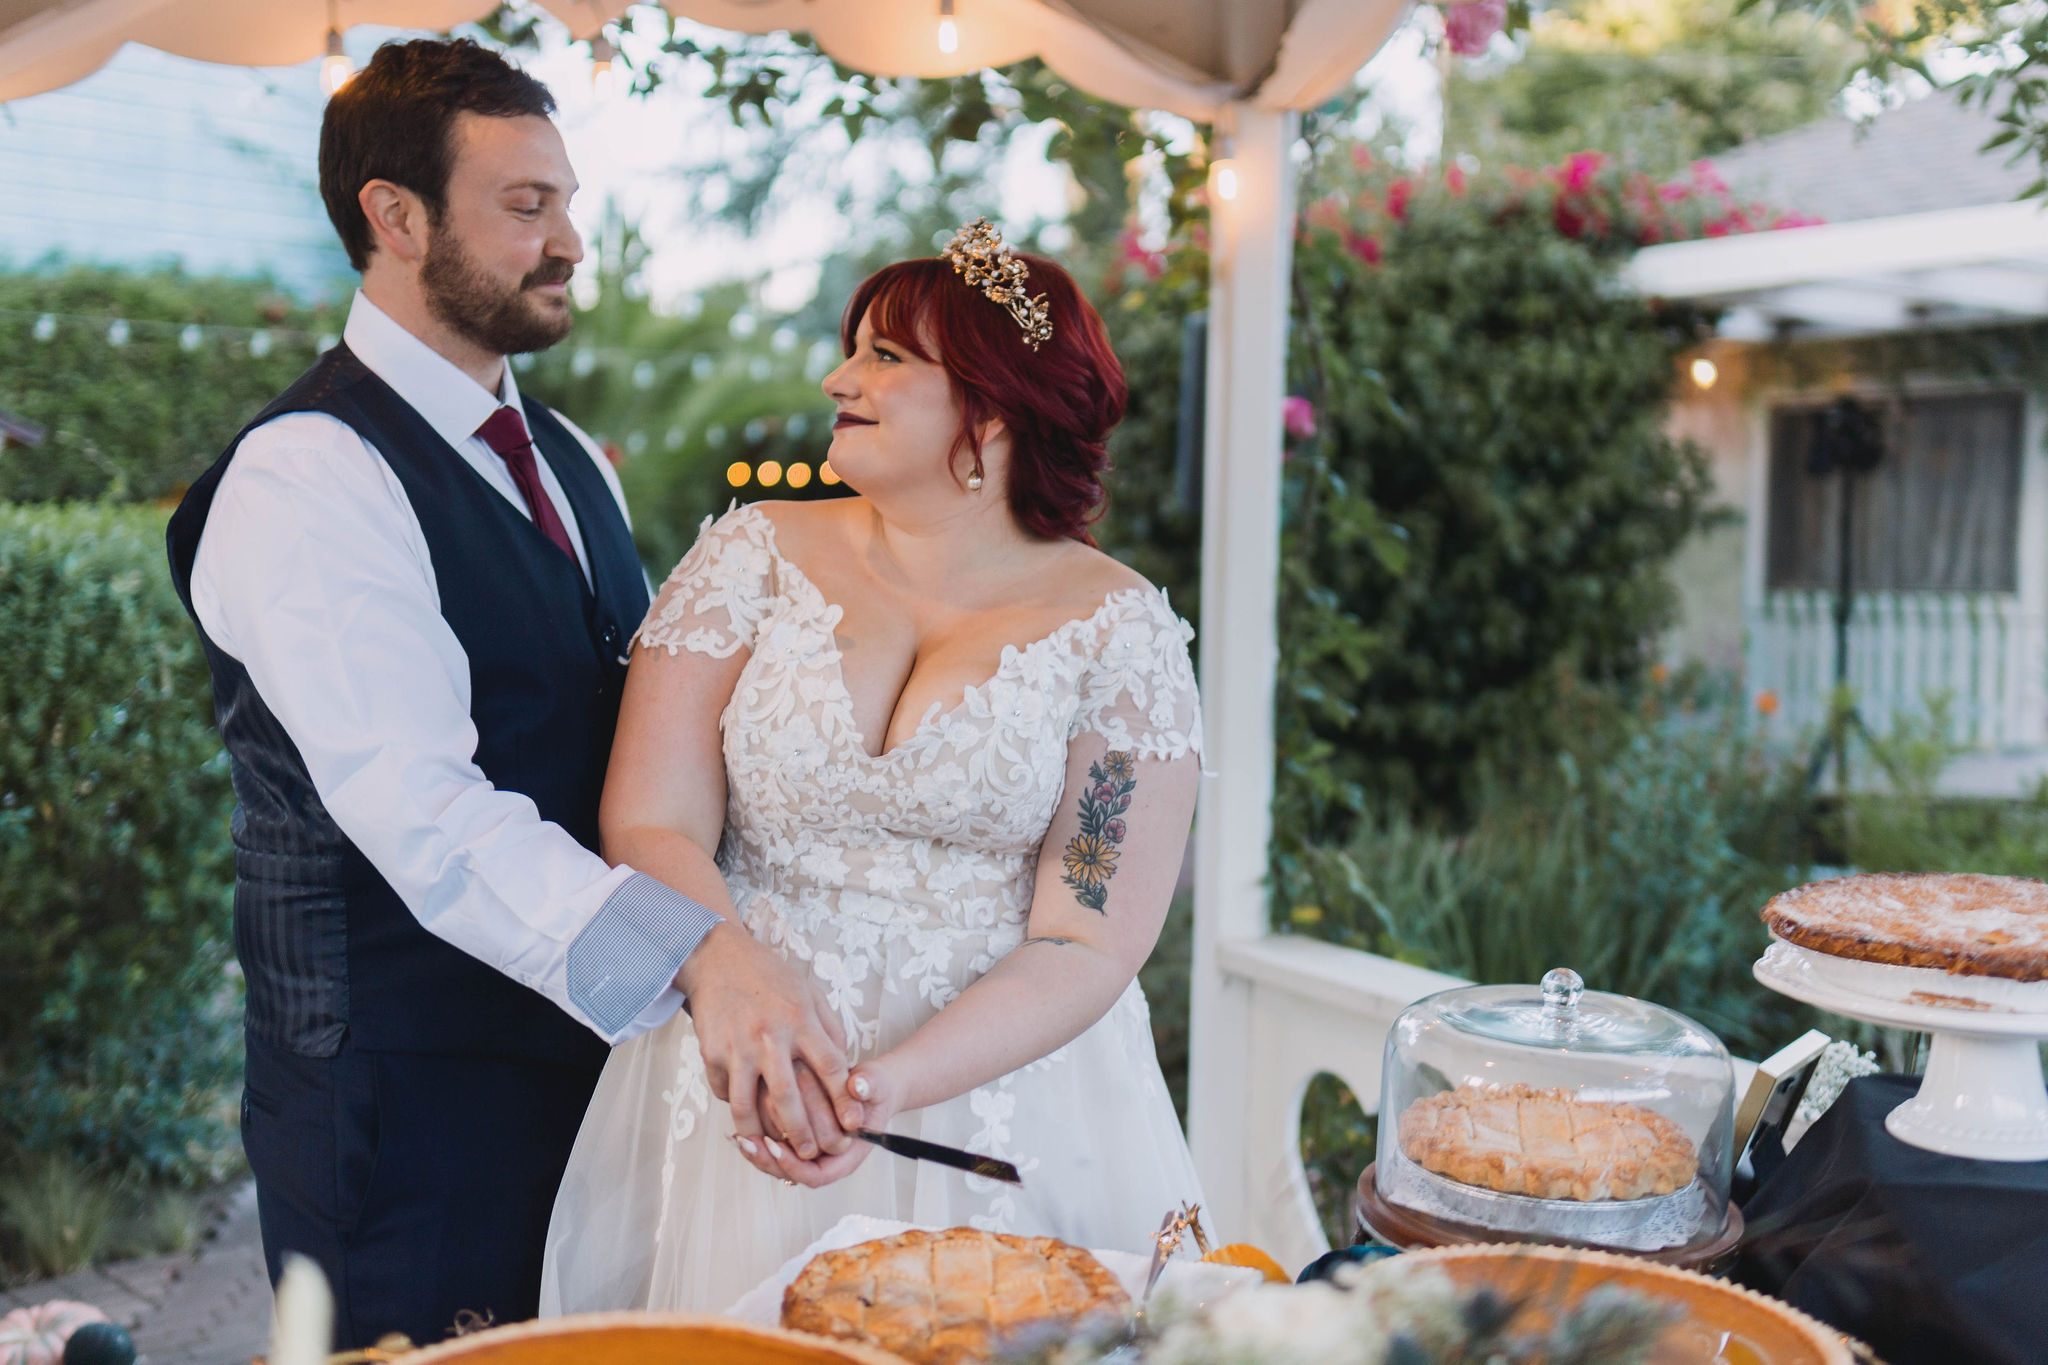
(1091, 855)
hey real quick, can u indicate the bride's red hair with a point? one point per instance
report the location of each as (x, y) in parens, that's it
(1059, 402)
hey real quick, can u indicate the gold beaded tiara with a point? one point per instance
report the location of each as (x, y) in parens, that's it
(977, 252)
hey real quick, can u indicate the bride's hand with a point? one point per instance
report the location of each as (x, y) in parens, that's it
(880, 1094)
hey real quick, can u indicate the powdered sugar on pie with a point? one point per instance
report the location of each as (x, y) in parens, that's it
(1963, 923)
(1548, 1143)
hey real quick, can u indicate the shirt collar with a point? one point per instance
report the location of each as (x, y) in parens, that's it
(453, 404)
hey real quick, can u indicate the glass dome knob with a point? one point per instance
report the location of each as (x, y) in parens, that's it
(1562, 988)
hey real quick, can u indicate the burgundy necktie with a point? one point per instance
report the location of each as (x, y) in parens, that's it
(505, 432)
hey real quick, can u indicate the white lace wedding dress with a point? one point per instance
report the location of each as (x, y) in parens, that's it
(900, 879)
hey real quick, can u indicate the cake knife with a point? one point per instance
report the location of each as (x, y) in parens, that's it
(919, 1150)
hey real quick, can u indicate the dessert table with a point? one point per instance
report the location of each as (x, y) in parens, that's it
(1930, 1259)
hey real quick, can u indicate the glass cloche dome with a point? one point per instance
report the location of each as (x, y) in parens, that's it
(1557, 1113)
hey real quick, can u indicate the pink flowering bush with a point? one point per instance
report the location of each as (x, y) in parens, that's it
(1481, 498)
(1588, 197)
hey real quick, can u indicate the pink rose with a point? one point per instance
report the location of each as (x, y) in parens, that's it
(1470, 25)
(1298, 415)
(1579, 170)
(1398, 195)
(1365, 248)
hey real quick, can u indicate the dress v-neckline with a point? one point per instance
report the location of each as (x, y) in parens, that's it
(933, 716)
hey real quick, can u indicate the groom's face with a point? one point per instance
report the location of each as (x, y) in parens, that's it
(498, 264)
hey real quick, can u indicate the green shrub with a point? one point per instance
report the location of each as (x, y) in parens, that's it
(139, 420)
(1897, 821)
(119, 1027)
(1639, 857)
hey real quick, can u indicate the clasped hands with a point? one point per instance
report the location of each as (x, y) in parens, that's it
(776, 1053)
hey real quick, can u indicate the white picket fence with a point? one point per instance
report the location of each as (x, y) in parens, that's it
(1983, 650)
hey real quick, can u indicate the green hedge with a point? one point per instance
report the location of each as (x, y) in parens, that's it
(119, 1019)
(135, 415)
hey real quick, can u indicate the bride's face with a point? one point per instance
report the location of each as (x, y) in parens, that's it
(898, 419)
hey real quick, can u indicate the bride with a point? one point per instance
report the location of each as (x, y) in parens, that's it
(932, 743)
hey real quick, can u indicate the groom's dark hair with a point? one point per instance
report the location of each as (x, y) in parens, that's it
(392, 122)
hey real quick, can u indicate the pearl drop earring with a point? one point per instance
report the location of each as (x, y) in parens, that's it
(974, 482)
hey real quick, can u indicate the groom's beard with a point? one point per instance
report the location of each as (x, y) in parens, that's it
(486, 313)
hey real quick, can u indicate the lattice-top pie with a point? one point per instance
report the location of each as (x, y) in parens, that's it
(1521, 1140)
(1962, 922)
(937, 1298)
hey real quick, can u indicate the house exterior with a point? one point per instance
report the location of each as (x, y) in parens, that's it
(160, 160)
(1908, 331)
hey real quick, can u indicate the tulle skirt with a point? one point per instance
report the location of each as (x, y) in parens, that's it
(658, 1210)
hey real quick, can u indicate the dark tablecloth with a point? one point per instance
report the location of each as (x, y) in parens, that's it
(1929, 1259)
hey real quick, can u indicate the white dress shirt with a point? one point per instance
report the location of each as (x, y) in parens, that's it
(314, 574)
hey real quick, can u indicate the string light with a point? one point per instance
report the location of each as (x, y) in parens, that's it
(799, 475)
(602, 55)
(949, 32)
(769, 473)
(335, 67)
(1705, 372)
(738, 472)
(827, 475)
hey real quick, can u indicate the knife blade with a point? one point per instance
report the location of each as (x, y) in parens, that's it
(919, 1150)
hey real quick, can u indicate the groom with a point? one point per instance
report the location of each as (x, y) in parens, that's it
(415, 589)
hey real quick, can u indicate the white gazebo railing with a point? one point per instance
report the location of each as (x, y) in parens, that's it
(1984, 652)
(1308, 1007)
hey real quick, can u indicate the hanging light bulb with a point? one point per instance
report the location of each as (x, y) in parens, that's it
(1705, 372)
(949, 32)
(602, 55)
(1223, 168)
(335, 67)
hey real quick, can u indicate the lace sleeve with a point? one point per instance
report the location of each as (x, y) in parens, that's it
(714, 600)
(1138, 692)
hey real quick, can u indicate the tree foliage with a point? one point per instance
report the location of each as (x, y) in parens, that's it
(1997, 48)
(1655, 84)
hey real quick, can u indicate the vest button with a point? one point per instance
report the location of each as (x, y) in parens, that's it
(611, 636)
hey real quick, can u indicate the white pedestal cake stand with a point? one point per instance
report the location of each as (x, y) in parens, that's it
(1982, 1095)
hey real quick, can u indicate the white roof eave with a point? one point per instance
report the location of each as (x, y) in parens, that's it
(1964, 267)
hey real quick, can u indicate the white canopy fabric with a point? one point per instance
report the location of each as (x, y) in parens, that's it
(1189, 57)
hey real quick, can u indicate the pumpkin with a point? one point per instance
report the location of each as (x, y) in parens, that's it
(100, 1343)
(36, 1336)
(1238, 1253)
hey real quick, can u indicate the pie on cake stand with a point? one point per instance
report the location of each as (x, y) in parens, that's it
(1962, 957)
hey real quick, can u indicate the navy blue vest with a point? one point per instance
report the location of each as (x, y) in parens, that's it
(327, 947)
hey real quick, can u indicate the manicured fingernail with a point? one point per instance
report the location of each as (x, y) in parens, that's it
(859, 1086)
(749, 1148)
(773, 1150)
(807, 1152)
(849, 1120)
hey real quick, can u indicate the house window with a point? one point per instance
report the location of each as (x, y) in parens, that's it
(1939, 514)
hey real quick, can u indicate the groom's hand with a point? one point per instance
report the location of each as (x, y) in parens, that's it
(759, 1016)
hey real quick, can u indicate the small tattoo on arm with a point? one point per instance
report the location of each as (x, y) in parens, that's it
(1091, 855)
